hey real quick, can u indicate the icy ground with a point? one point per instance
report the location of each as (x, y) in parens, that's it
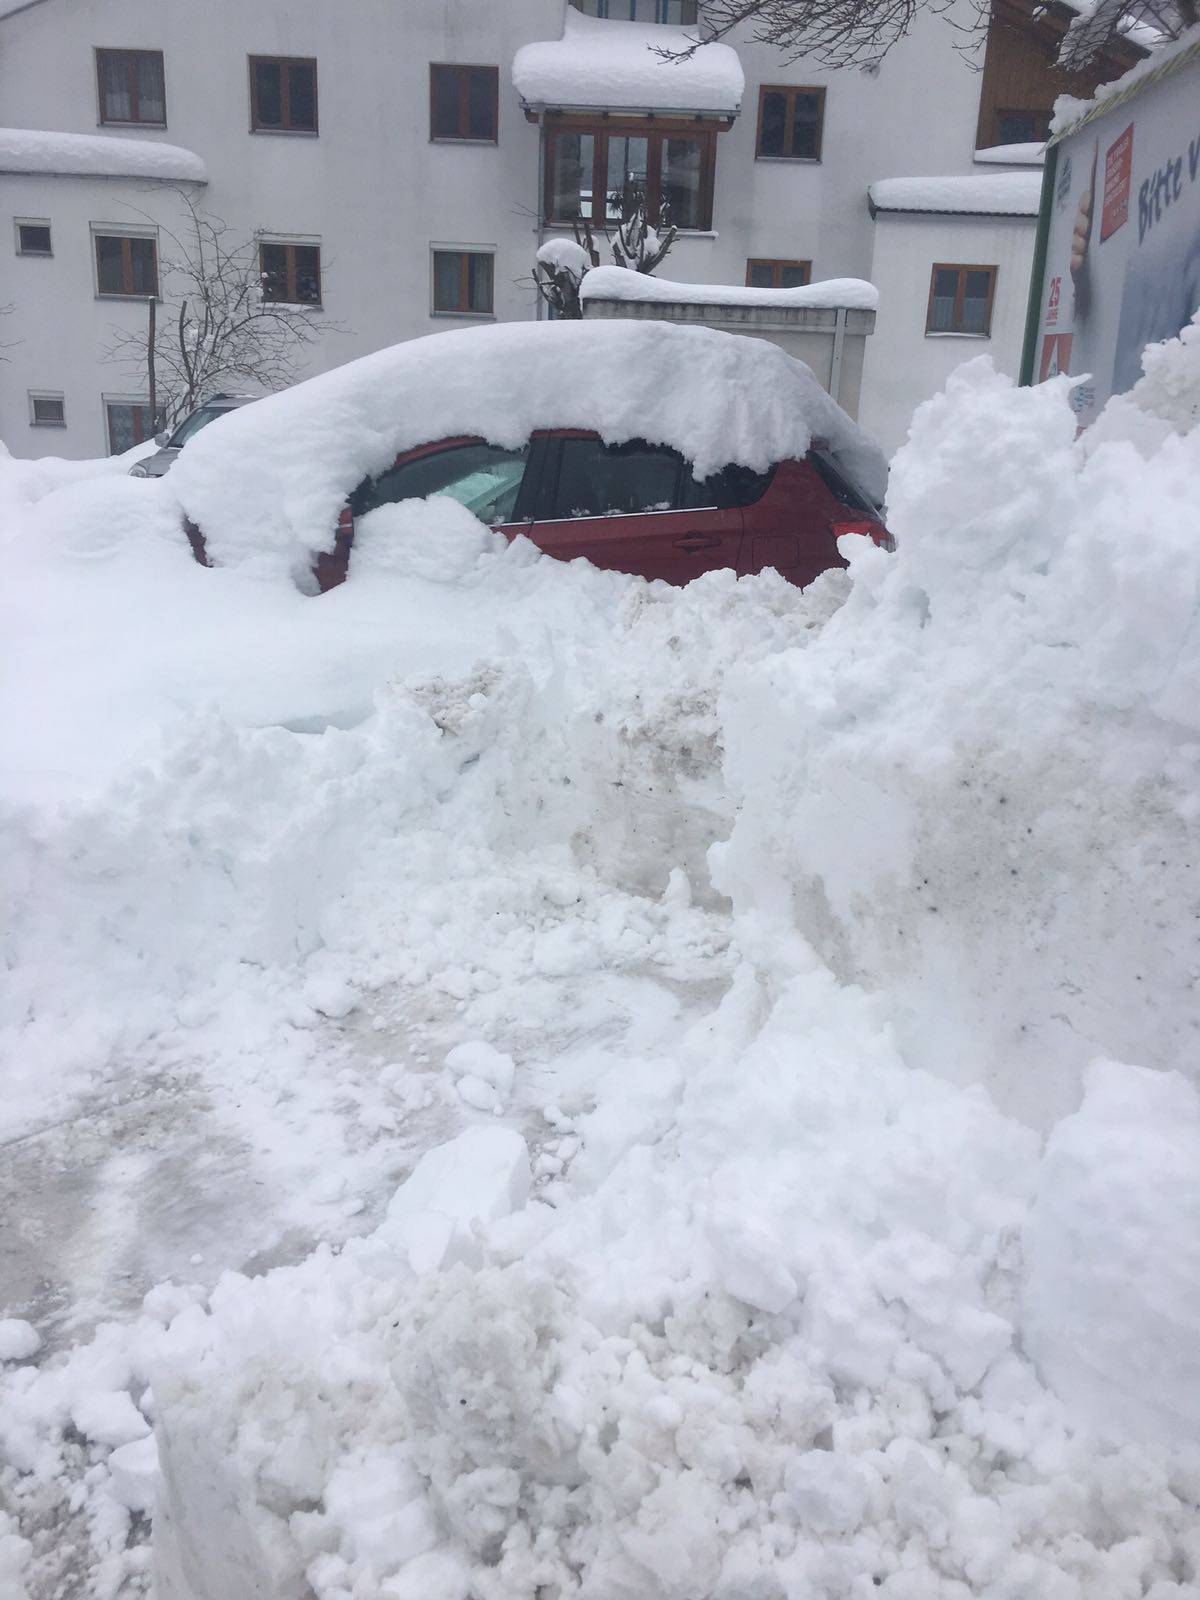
(522, 1084)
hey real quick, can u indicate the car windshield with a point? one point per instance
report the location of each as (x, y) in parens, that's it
(190, 426)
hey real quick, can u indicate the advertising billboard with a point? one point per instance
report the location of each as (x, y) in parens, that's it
(1118, 263)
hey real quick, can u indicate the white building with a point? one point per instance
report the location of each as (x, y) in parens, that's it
(400, 181)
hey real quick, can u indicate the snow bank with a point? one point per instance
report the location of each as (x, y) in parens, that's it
(617, 66)
(1001, 194)
(97, 155)
(618, 283)
(266, 482)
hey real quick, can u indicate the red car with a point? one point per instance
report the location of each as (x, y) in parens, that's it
(631, 507)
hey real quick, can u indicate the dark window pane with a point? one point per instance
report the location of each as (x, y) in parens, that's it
(302, 86)
(806, 125)
(838, 484)
(151, 101)
(481, 477)
(145, 278)
(945, 293)
(308, 274)
(448, 287)
(273, 260)
(481, 119)
(444, 87)
(1022, 127)
(34, 241)
(47, 411)
(268, 90)
(110, 268)
(681, 168)
(793, 276)
(571, 190)
(627, 163)
(760, 275)
(774, 118)
(611, 480)
(116, 101)
(479, 282)
(978, 284)
(126, 427)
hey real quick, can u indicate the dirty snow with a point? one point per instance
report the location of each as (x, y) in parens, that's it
(820, 1214)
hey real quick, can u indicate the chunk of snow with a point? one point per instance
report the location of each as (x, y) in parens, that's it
(616, 66)
(619, 283)
(267, 482)
(133, 1469)
(478, 1177)
(1012, 155)
(1000, 194)
(18, 1340)
(109, 1417)
(97, 155)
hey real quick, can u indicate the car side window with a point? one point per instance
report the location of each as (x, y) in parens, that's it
(482, 477)
(732, 486)
(599, 480)
(839, 485)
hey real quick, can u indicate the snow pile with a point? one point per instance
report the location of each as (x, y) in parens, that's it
(620, 66)
(266, 482)
(97, 155)
(615, 283)
(1000, 194)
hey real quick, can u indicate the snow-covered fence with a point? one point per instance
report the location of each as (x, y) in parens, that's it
(823, 324)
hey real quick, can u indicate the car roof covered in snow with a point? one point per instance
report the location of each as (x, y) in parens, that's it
(267, 481)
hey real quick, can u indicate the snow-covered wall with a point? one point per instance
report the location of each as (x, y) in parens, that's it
(904, 365)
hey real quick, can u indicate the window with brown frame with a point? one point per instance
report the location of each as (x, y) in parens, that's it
(763, 273)
(126, 266)
(130, 85)
(283, 94)
(678, 12)
(290, 273)
(128, 424)
(960, 300)
(1021, 127)
(791, 123)
(594, 168)
(464, 282)
(463, 103)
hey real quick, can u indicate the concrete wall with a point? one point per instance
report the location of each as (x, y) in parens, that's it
(904, 365)
(373, 190)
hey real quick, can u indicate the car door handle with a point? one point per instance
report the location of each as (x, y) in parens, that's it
(697, 541)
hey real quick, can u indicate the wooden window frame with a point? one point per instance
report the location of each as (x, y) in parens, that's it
(33, 222)
(459, 71)
(463, 254)
(285, 95)
(960, 294)
(127, 240)
(142, 424)
(46, 394)
(99, 52)
(655, 130)
(791, 90)
(777, 264)
(290, 272)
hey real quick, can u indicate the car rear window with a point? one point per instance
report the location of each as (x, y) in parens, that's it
(840, 485)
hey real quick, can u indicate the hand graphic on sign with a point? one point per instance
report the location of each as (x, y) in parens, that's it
(1081, 238)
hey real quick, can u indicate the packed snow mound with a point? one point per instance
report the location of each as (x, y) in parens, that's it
(977, 791)
(615, 65)
(618, 283)
(265, 483)
(97, 155)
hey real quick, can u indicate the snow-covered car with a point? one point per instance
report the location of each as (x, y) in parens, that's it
(171, 441)
(645, 447)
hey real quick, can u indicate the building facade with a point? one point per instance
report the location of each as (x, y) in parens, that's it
(395, 182)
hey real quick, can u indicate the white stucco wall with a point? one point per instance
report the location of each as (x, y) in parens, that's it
(373, 190)
(905, 365)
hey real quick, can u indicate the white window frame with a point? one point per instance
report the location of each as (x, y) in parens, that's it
(33, 222)
(46, 394)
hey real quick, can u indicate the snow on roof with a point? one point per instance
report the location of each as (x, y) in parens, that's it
(1068, 112)
(96, 155)
(618, 283)
(1013, 155)
(617, 65)
(999, 194)
(267, 481)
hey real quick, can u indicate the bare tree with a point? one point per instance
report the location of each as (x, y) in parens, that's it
(215, 328)
(638, 244)
(859, 33)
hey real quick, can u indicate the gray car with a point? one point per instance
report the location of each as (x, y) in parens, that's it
(171, 442)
